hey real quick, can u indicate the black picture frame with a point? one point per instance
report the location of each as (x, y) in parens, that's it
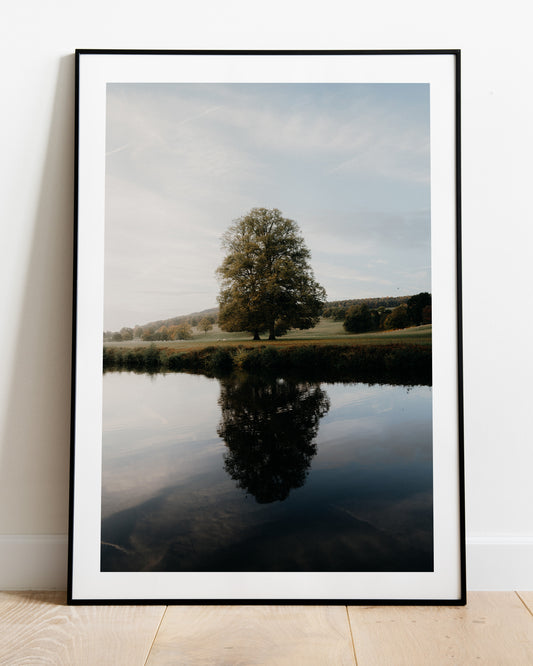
(440, 71)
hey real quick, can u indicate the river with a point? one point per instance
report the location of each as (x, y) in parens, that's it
(265, 474)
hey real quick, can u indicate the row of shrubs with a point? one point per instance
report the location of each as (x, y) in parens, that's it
(395, 363)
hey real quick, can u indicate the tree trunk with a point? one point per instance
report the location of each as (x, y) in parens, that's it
(272, 331)
(256, 335)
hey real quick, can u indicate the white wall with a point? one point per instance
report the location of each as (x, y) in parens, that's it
(36, 175)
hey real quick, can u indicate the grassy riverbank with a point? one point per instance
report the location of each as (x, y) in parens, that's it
(401, 362)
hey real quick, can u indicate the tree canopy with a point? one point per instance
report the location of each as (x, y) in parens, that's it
(267, 283)
(359, 319)
(205, 324)
(417, 308)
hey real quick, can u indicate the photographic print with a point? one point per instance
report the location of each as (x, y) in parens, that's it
(267, 366)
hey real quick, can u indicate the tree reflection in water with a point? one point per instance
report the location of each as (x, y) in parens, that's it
(269, 426)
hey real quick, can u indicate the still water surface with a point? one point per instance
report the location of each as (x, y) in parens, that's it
(249, 474)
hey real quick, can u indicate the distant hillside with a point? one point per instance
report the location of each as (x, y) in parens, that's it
(145, 330)
(180, 319)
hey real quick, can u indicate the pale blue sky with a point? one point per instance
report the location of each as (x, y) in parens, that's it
(349, 162)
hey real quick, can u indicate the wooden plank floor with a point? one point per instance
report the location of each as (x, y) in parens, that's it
(495, 628)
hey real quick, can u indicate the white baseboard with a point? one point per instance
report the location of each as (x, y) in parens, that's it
(33, 562)
(499, 562)
(39, 562)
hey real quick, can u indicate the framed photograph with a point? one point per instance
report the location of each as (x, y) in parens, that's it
(267, 374)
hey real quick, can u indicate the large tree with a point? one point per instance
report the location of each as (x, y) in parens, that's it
(267, 283)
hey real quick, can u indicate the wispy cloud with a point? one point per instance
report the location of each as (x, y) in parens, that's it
(349, 163)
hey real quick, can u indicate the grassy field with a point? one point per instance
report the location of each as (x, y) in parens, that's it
(326, 332)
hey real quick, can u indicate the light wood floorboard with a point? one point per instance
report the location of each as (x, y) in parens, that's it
(249, 635)
(39, 629)
(494, 629)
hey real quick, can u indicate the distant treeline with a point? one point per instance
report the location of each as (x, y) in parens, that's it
(373, 303)
(358, 314)
(177, 328)
(376, 314)
(395, 363)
